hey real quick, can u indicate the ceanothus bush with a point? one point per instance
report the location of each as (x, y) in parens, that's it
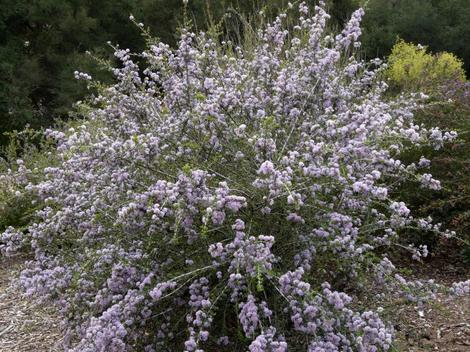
(226, 198)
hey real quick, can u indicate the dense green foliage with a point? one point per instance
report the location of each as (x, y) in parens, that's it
(441, 25)
(26, 149)
(449, 206)
(42, 44)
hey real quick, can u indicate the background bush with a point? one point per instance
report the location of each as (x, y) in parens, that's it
(441, 25)
(412, 67)
(22, 161)
(441, 75)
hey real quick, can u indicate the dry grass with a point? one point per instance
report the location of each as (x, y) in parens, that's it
(25, 325)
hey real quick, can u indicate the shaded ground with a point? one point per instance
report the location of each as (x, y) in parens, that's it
(25, 325)
(443, 325)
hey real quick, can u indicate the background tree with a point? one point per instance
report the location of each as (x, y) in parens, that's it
(441, 25)
(42, 42)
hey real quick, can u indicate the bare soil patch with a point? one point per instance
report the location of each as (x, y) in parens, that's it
(25, 325)
(443, 325)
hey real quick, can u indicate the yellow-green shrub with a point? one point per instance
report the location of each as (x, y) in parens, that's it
(413, 67)
(448, 66)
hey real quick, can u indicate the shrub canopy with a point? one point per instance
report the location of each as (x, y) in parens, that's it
(225, 196)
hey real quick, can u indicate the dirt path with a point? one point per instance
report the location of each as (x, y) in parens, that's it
(25, 326)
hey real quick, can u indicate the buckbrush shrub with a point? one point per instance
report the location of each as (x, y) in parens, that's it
(231, 199)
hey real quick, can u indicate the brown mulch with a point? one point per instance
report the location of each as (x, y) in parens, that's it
(25, 325)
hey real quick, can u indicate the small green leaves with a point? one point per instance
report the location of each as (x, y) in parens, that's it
(204, 231)
(186, 169)
(200, 96)
(270, 123)
(259, 279)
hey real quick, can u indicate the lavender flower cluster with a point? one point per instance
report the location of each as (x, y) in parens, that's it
(219, 197)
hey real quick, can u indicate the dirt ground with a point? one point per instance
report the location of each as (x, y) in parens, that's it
(443, 325)
(27, 326)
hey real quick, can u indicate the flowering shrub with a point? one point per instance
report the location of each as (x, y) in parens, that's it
(231, 199)
(21, 162)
